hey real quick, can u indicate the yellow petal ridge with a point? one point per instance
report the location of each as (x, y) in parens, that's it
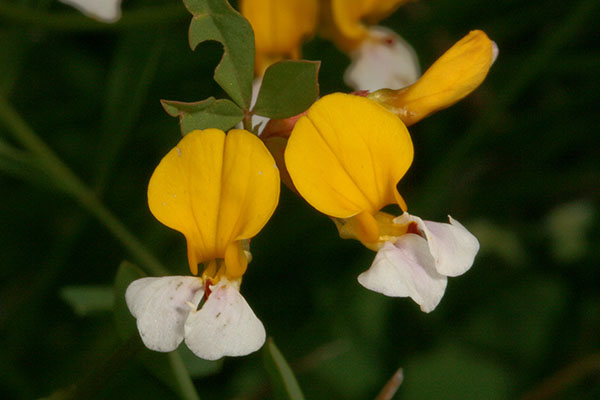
(387, 230)
(216, 190)
(364, 226)
(279, 28)
(347, 155)
(458, 72)
(236, 261)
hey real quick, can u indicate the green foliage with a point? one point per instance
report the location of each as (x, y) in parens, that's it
(217, 20)
(210, 113)
(282, 378)
(452, 372)
(87, 299)
(288, 88)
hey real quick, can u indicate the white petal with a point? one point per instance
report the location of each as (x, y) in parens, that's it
(495, 52)
(384, 60)
(161, 307)
(257, 119)
(101, 10)
(452, 246)
(224, 326)
(406, 269)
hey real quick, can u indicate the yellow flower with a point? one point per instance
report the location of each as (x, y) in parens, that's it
(453, 76)
(345, 157)
(343, 21)
(380, 58)
(218, 190)
(279, 28)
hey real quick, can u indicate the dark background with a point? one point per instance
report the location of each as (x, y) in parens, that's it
(516, 162)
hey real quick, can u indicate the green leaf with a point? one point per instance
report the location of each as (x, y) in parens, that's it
(85, 300)
(217, 20)
(210, 113)
(288, 88)
(285, 385)
(168, 367)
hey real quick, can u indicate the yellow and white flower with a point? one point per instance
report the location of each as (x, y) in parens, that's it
(219, 191)
(380, 57)
(345, 157)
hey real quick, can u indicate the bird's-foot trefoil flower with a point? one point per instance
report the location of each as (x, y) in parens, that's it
(219, 191)
(101, 10)
(380, 57)
(458, 72)
(345, 157)
(279, 28)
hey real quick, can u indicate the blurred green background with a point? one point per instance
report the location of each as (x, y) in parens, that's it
(517, 162)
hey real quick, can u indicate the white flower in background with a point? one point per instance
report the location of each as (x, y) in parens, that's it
(382, 60)
(101, 10)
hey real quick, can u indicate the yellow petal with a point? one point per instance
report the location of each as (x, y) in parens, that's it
(364, 227)
(216, 189)
(347, 155)
(279, 28)
(342, 20)
(453, 76)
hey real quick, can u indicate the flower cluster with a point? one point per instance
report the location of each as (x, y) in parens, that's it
(380, 57)
(345, 156)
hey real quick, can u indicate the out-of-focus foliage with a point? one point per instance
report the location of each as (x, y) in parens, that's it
(516, 161)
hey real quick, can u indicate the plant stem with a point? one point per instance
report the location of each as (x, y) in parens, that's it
(551, 387)
(391, 387)
(247, 121)
(66, 180)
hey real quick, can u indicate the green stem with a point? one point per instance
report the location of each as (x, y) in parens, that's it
(436, 188)
(65, 178)
(247, 121)
(73, 21)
